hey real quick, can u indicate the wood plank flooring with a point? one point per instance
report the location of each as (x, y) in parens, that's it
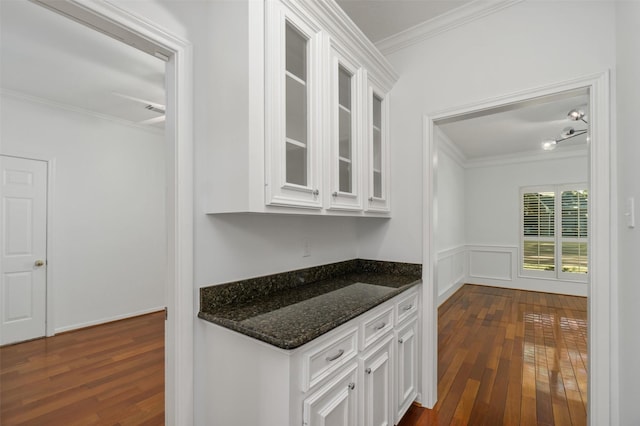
(509, 357)
(506, 357)
(112, 374)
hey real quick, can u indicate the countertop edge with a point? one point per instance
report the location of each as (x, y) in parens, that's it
(319, 331)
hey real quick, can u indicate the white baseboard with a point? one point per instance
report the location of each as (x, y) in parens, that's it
(106, 320)
(445, 295)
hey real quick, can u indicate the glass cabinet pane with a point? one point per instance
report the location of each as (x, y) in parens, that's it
(296, 111)
(296, 48)
(344, 118)
(345, 176)
(345, 137)
(344, 88)
(296, 96)
(377, 146)
(296, 167)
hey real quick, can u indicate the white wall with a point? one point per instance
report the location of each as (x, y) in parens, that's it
(108, 255)
(493, 219)
(628, 105)
(450, 239)
(518, 48)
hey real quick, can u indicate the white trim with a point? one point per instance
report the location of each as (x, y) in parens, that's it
(429, 375)
(528, 157)
(109, 319)
(602, 236)
(58, 105)
(108, 18)
(447, 146)
(460, 16)
(458, 281)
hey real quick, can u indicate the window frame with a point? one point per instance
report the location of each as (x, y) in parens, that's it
(557, 274)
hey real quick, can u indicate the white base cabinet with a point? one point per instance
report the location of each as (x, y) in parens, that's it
(363, 373)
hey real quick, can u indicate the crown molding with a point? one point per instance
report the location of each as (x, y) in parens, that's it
(460, 16)
(447, 146)
(340, 26)
(528, 157)
(72, 108)
(451, 149)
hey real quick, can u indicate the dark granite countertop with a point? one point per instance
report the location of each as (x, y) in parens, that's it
(297, 308)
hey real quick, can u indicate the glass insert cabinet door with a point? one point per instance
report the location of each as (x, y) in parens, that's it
(346, 78)
(296, 153)
(378, 193)
(293, 58)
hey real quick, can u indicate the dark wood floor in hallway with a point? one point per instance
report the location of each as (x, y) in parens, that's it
(509, 357)
(112, 374)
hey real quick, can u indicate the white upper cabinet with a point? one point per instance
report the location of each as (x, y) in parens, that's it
(378, 170)
(293, 132)
(291, 116)
(345, 136)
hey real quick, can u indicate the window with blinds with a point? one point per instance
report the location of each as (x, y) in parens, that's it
(554, 231)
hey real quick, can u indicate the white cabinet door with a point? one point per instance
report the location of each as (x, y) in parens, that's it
(407, 364)
(378, 149)
(336, 403)
(345, 111)
(294, 56)
(23, 277)
(377, 384)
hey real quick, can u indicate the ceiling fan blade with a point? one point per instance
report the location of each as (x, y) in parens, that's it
(153, 120)
(142, 101)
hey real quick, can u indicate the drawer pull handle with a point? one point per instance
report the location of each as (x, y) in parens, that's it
(352, 386)
(368, 371)
(380, 326)
(406, 308)
(336, 356)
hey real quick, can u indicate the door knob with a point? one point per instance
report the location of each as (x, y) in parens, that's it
(39, 263)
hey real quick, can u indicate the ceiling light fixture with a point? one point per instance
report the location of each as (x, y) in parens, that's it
(568, 132)
(576, 114)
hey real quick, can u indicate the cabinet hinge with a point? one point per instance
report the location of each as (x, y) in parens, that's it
(166, 313)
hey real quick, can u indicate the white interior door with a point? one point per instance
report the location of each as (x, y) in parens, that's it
(23, 194)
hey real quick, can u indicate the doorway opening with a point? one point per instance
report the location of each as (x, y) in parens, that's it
(177, 145)
(595, 88)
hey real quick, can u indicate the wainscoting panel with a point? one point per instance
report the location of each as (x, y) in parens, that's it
(492, 262)
(452, 271)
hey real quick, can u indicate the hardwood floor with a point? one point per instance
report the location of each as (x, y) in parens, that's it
(112, 374)
(506, 357)
(509, 357)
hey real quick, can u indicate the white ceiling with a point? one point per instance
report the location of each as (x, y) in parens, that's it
(379, 19)
(47, 56)
(52, 58)
(518, 128)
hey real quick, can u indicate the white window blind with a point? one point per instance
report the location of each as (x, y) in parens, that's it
(554, 231)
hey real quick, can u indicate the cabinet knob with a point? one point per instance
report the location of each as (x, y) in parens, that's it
(316, 193)
(401, 340)
(352, 386)
(406, 308)
(368, 371)
(39, 263)
(335, 193)
(380, 326)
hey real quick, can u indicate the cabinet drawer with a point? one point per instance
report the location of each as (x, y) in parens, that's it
(375, 326)
(407, 306)
(319, 361)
